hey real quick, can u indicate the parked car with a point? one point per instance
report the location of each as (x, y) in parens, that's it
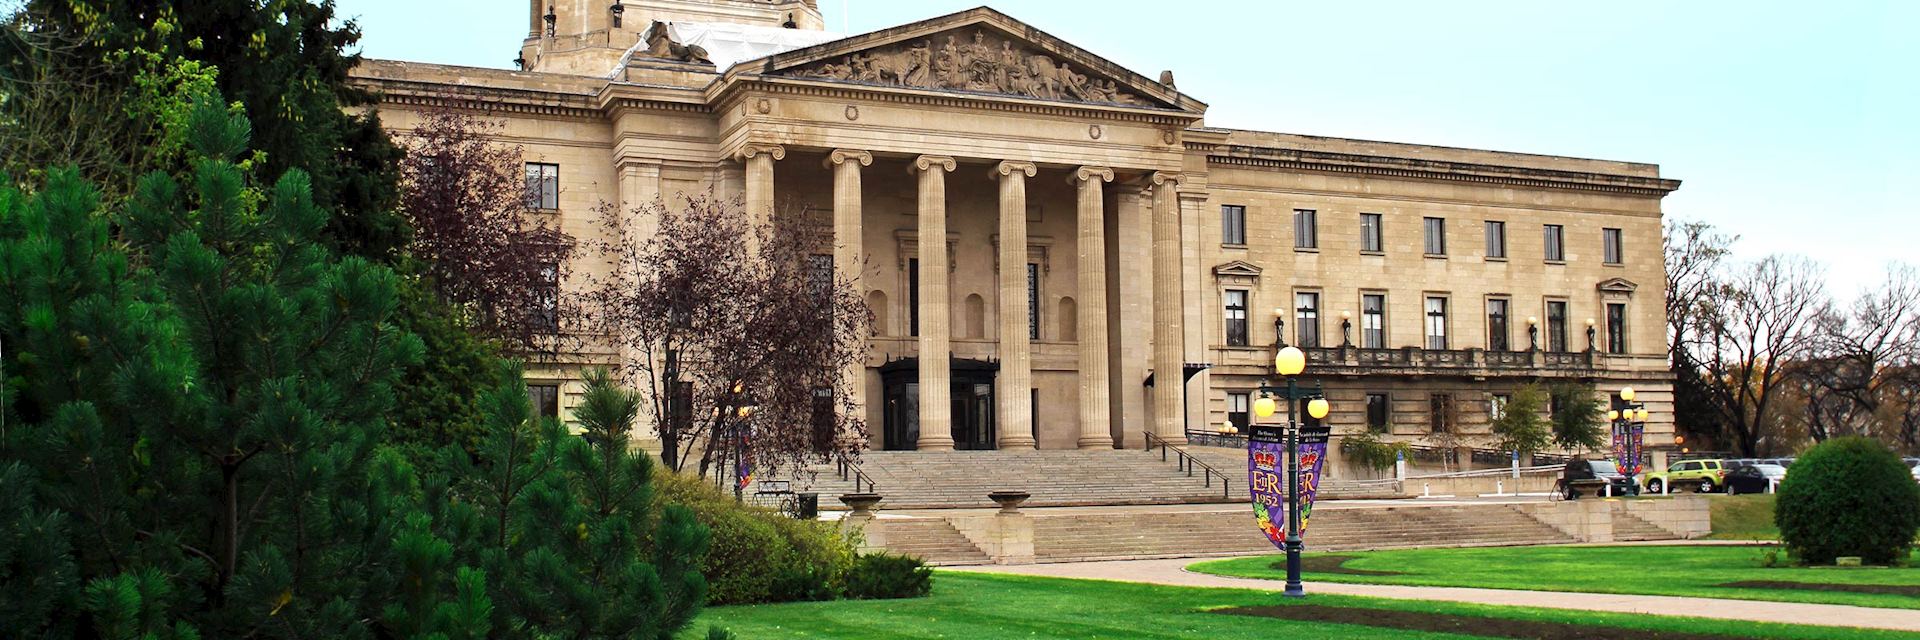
(1704, 475)
(1751, 478)
(1581, 469)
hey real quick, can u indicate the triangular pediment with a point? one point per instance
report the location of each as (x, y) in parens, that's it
(979, 51)
(1240, 268)
(1617, 285)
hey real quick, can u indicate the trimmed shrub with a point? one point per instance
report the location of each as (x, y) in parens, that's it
(1848, 497)
(884, 575)
(758, 554)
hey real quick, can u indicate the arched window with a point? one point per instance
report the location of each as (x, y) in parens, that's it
(975, 322)
(1069, 320)
(877, 303)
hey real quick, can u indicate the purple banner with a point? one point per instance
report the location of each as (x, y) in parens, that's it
(1266, 447)
(1313, 456)
(1623, 455)
(1637, 444)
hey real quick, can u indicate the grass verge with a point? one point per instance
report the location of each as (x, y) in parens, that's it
(987, 607)
(1698, 571)
(1748, 517)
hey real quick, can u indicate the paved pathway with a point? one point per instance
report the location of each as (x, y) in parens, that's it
(1173, 572)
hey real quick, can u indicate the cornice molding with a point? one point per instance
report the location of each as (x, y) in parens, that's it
(1300, 159)
(533, 102)
(725, 92)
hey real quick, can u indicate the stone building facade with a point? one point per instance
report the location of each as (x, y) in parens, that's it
(1041, 233)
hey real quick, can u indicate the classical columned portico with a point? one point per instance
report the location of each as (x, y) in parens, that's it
(1168, 312)
(1016, 358)
(936, 379)
(847, 255)
(1090, 221)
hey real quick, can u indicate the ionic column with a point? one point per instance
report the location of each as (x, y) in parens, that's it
(847, 254)
(759, 196)
(1169, 380)
(1016, 358)
(1095, 423)
(936, 374)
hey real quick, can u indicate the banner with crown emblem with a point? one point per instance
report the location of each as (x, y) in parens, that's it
(1313, 456)
(1266, 447)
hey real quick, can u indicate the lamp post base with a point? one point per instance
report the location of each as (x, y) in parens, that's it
(1294, 588)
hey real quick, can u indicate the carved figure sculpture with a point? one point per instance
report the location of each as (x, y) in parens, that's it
(660, 45)
(972, 66)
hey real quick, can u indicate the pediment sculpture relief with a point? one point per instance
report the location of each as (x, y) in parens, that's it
(660, 45)
(982, 62)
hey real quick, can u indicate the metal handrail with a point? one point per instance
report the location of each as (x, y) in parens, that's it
(1186, 462)
(850, 470)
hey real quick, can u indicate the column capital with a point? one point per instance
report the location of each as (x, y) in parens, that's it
(1009, 167)
(1159, 178)
(1083, 174)
(843, 156)
(750, 150)
(925, 163)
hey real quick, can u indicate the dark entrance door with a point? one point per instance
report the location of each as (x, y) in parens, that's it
(971, 396)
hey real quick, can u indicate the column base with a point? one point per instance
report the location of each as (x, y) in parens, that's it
(931, 444)
(1095, 443)
(1020, 443)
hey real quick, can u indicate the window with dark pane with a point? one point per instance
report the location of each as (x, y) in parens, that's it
(1373, 321)
(543, 185)
(1236, 313)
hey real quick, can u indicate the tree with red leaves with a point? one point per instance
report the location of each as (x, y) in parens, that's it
(466, 197)
(713, 314)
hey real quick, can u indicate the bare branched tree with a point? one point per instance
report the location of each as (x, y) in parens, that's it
(713, 313)
(1694, 255)
(467, 199)
(1859, 377)
(1756, 325)
(63, 106)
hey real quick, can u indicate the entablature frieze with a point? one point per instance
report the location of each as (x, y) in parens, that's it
(1421, 169)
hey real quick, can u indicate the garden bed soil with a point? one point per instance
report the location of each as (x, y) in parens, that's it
(1333, 564)
(1466, 625)
(1885, 589)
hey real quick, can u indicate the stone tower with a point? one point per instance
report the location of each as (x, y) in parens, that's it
(588, 37)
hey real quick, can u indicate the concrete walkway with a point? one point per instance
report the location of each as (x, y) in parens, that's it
(1173, 572)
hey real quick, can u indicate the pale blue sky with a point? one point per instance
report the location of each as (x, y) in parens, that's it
(1790, 123)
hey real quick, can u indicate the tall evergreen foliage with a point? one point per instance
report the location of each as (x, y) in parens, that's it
(191, 441)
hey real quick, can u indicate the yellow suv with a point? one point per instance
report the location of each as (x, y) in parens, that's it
(1705, 476)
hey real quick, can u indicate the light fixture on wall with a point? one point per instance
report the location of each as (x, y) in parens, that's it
(618, 10)
(551, 18)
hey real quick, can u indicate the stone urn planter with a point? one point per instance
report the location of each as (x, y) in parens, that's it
(861, 503)
(1009, 501)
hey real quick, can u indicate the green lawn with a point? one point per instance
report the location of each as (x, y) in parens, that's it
(1656, 570)
(975, 606)
(1748, 517)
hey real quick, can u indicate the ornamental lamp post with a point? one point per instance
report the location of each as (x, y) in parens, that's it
(1288, 363)
(1623, 418)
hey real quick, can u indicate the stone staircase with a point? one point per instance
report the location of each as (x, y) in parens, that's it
(1628, 527)
(1068, 538)
(1056, 478)
(933, 540)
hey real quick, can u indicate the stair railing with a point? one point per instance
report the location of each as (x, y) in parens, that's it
(850, 471)
(1186, 462)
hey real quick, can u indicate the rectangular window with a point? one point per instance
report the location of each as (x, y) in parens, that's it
(1236, 304)
(1436, 322)
(1496, 239)
(1555, 243)
(913, 296)
(1497, 406)
(680, 409)
(1499, 311)
(1306, 318)
(1233, 224)
(1556, 325)
(1440, 412)
(545, 399)
(820, 276)
(1616, 327)
(543, 186)
(546, 315)
(1436, 236)
(1610, 246)
(1373, 321)
(1306, 232)
(1370, 232)
(1377, 412)
(1237, 413)
(1033, 301)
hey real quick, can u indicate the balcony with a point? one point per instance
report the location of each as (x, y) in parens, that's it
(1350, 360)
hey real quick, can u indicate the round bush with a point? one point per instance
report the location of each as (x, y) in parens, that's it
(1848, 497)
(760, 555)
